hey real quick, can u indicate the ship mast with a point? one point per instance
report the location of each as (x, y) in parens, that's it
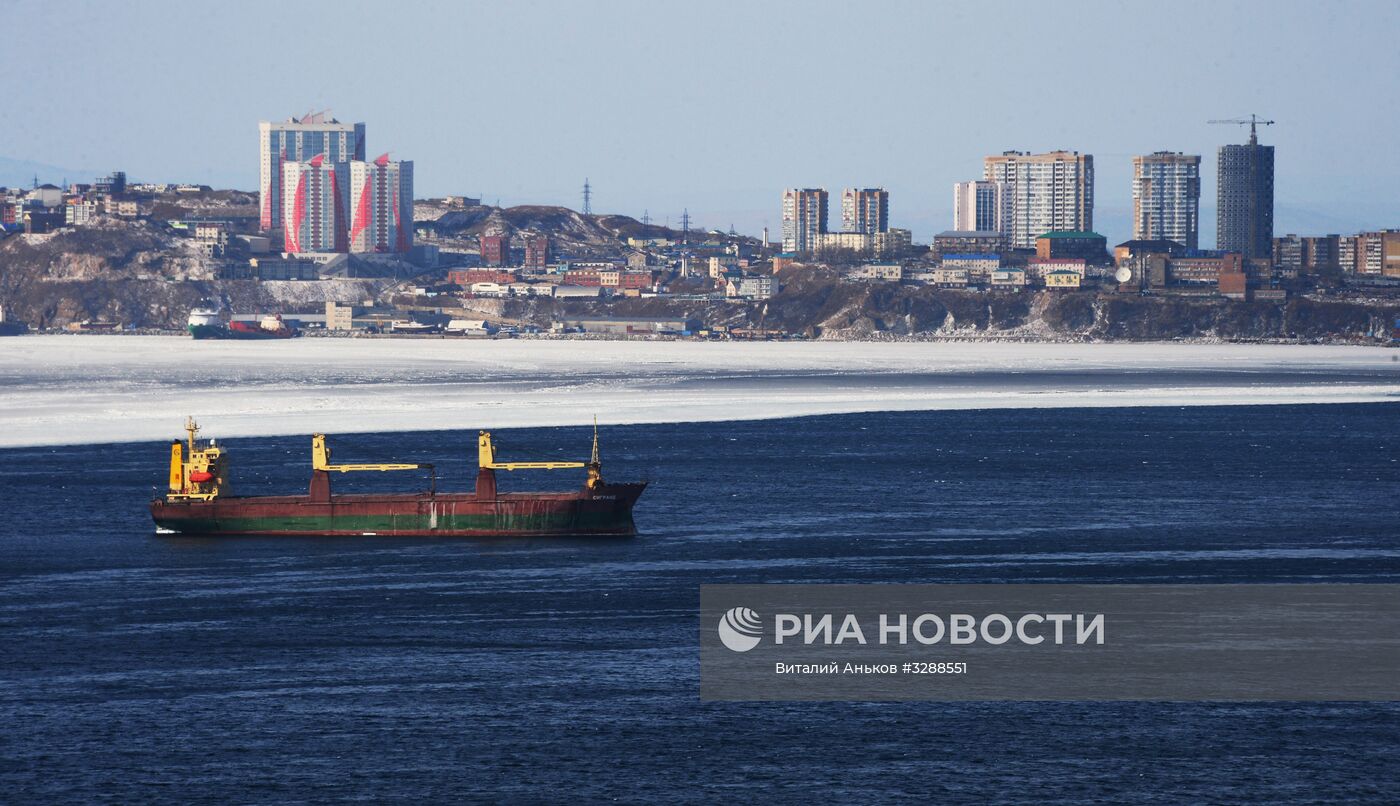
(595, 461)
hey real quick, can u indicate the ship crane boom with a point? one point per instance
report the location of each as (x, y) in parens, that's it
(486, 458)
(321, 458)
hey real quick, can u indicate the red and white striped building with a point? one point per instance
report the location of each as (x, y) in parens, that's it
(314, 198)
(381, 205)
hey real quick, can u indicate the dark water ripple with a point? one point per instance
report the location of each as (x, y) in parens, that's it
(139, 669)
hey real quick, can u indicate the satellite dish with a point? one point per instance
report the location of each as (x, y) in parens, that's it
(1123, 275)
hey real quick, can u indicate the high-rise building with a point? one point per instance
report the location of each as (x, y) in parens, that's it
(537, 252)
(865, 210)
(1244, 218)
(1045, 193)
(495, 250)
(381, 205)
(981, 206)
(314, 196)
(1167, 198)
(804, 218)
(298, 140)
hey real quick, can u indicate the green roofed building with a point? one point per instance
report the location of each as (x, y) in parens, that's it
(1088, 246)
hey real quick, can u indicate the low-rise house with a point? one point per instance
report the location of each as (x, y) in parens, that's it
(1008, 278)
(892, 272)
(1038, 268)
(1063, 278)
(488, 290)
(979, 267)
(945, 277)
(761, 287)
(79, 213)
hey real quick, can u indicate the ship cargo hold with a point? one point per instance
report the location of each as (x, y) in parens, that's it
(197, 503)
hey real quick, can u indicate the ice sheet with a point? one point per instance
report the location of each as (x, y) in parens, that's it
(78, 389)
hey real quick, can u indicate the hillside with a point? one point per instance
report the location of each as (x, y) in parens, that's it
(456, 227)
(813, 302)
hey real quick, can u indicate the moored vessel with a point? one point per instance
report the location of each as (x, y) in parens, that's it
(207, 321)
(11, 328)
(268, 327)
(197, 501)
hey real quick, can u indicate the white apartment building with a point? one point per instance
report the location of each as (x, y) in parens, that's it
(1045, 192)
(980, 205)
(298, 140)
(1167, 198)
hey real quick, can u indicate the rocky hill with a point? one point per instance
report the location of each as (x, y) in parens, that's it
(815, 303)
(570, 232)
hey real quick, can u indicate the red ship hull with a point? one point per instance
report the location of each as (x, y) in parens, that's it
(244, 330)
(605, 510)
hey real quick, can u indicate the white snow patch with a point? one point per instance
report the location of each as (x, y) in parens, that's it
(81, 389)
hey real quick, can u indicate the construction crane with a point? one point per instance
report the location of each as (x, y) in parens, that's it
(1253, 121)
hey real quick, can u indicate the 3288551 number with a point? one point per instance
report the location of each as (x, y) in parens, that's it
(958, 667)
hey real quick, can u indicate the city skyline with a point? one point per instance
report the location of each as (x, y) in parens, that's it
(747, 133)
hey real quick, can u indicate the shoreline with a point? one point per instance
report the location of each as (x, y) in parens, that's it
(955, 338)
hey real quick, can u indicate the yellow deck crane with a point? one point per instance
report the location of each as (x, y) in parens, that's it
(321, 460)
(486, 459)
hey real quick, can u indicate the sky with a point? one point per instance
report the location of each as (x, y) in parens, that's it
(716, 107)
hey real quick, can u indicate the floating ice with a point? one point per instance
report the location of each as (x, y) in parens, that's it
(80, 389)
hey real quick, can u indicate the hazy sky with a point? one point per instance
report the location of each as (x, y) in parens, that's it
(718, 106)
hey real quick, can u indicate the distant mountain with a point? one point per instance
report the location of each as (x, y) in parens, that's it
(21, 173)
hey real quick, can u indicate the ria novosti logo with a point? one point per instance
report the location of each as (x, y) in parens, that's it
(740, 629)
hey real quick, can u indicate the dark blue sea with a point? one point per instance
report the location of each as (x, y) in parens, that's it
(137, 669)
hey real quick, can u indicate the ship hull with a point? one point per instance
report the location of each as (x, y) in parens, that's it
(208, 331)
(240, 333)
(605, 511)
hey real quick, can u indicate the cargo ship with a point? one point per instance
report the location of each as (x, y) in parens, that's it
(11, 328)
(197, 501)
(209, 322)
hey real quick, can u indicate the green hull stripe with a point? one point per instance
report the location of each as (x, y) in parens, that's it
(505, 523)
